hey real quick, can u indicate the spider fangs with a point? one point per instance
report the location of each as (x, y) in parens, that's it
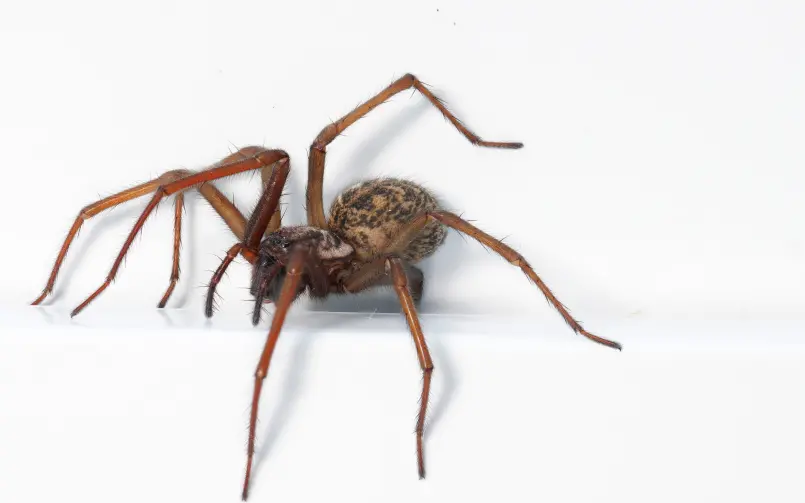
(327, 258)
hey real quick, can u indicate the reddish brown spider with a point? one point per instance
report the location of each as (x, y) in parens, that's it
(376, 231)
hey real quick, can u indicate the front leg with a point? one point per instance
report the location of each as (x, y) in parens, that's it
(265, 218)
(300, 259)
(396, 269)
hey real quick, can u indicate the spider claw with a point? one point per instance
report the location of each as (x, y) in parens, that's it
(600, 340)
(40, 298)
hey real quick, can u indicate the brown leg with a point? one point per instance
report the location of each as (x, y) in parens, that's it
(290, 285)
(374, 274)
(177, 243)
(276, 219)
(457, 223)
(262, 158)
(266, 214)
(318, 149)
(216, 277)
(265, 218)
(397, 271)
(90, 211)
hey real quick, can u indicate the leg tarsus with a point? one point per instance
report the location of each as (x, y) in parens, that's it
(168, 292)
(420, 426)
(177, 243)
(216, 277)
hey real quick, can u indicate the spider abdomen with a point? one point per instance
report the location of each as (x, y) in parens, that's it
(370, 214)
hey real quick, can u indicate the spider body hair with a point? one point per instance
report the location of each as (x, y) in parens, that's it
(370, 214)
(364, 221)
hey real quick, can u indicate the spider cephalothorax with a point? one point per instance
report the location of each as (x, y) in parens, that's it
(327, 257)
(376, 232)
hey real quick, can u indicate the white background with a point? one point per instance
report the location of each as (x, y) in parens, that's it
(659, 194)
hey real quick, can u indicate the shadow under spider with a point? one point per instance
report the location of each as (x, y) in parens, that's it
(289, 395)
(289, 390)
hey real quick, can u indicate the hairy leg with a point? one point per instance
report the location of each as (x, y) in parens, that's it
(295, 269)
(318, 149)
(216, 277)
(265, 218)
(454, 221)
(396, 270)
(223, 206)
(261, 158)
(177, 243)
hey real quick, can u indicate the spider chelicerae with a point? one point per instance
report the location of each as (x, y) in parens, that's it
(376, 231)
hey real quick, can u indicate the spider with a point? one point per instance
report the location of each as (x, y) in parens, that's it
(376, 231)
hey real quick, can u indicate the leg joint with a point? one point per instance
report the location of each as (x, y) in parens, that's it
(518, 260)
(326, 135)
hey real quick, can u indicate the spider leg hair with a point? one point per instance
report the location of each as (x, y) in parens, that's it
(457, 223)
(295, 268)
(259, 159)
(318, 149)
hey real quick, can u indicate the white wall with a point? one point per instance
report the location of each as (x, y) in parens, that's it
(662, 172)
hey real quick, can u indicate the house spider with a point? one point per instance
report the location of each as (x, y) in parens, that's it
(376, 231)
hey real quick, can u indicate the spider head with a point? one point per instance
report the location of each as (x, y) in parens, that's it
(325, 253)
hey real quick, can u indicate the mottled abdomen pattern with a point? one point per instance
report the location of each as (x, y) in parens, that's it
(370, 214)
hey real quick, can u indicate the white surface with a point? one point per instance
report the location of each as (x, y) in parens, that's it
(106, 409)
(659, 194)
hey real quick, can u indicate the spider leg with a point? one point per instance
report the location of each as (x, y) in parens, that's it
(397, 270)
(374, 273)
(455, 222)
(318, 149)
(177, 243)
(295, 269)
(261, 158)
(265, 218)
(216, 277)
(93, 209)
(223, 206)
